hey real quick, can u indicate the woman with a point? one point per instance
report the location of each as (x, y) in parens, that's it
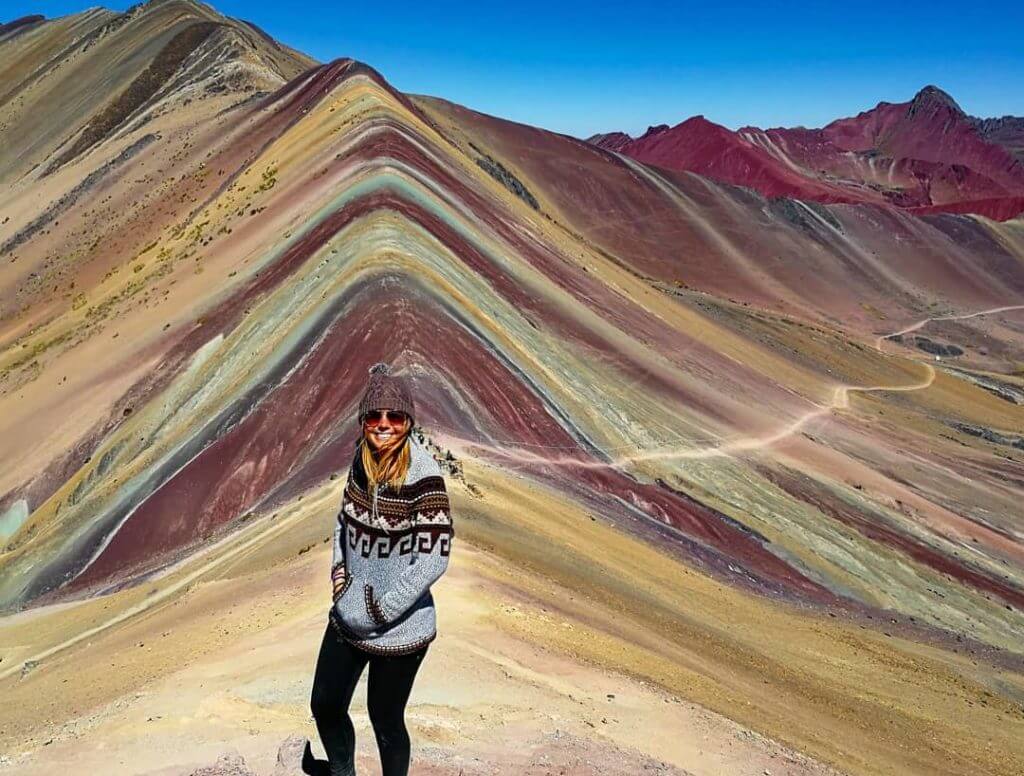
(392, 539)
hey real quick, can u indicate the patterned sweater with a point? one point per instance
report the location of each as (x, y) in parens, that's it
(389, 548)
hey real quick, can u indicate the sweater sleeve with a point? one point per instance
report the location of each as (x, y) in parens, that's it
(433, 533)
(338, 569)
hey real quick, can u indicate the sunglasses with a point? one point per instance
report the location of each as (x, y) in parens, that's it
(374, 417)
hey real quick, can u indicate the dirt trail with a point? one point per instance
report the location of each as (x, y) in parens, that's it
(926, 321)
(840, 401)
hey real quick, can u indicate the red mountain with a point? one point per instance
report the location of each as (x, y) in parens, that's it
(925, 154)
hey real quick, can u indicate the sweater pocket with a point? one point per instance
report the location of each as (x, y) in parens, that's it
(352, 612)
(373, 606)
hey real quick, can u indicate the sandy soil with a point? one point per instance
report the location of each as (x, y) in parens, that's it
(226, 669)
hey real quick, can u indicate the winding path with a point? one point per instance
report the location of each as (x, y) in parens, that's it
(919, 324)
(840, 401)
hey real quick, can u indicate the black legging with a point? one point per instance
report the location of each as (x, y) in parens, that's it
(338, 669)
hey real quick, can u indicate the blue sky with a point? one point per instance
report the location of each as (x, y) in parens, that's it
(581, 68)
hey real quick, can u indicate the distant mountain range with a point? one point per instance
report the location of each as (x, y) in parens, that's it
(926, 155)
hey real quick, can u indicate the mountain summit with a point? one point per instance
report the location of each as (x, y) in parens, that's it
(933, 97)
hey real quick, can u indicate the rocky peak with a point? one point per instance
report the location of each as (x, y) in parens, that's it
(932, 99)
(655, 129)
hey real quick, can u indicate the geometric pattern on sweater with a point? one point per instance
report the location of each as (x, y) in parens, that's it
(362, 539)
(422, 503)
(416, 519)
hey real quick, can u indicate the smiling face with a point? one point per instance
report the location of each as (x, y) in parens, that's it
(384, 428)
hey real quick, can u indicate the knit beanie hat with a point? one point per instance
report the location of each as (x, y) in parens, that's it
(386, 391)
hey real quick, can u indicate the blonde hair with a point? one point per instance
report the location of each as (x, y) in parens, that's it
(391, 463)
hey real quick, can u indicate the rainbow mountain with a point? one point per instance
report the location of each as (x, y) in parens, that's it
(206, 238)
